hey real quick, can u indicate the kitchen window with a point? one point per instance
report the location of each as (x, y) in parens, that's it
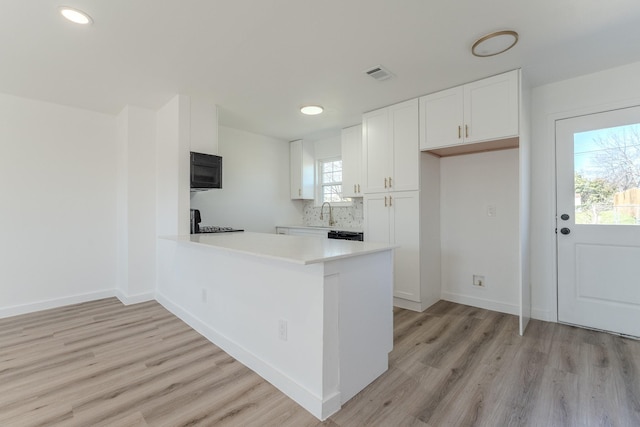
(330, 182)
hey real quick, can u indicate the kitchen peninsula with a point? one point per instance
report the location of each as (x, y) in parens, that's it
(311, 316)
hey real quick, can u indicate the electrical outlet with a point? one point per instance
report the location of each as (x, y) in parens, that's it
(282, 329)
(491, 210)
(478, 281)
(204, 295)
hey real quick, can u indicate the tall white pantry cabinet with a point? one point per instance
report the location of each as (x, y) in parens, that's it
(392, 201)
(402, 146)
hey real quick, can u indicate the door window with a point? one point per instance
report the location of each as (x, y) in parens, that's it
(607, 176)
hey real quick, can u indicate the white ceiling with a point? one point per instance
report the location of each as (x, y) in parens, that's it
(260, 60)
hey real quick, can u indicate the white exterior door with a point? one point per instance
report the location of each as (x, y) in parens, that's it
(598, 220)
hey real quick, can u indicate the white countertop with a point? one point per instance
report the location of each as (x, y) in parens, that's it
(296, 249)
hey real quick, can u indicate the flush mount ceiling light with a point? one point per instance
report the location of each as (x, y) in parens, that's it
(75, 15)
(494, 43)
(311, 110)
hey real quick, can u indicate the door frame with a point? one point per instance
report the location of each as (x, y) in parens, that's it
(550, 132)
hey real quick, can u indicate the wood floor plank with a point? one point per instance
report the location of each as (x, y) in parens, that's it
(105, 364)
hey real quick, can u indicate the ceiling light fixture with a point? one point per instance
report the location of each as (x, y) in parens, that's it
(75, 15)
(494, 43)
(311, 110)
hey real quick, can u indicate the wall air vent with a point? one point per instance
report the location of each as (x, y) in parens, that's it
(379, 73)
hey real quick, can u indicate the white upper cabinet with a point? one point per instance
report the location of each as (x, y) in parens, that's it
(352, 161)
(376, 151)
(441, 118)
(302, 166)
(484, 110)
(390, 148)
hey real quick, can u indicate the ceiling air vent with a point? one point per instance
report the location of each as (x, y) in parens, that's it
(379, 73)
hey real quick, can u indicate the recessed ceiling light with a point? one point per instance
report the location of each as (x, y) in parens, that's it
(75, 15)
(311, 110)
(494, 43)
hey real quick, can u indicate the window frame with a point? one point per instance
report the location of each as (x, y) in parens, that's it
(320, 184)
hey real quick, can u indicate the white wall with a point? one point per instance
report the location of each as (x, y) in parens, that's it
(610, 89)
(172, 130)
(203, 126)
(136, 142)
(471, 241)
(328, 147)
(58, 209)
(255, 184)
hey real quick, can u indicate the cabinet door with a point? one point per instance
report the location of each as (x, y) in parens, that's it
(377, 216)
(491, 107)
(404, 129)
(377, 150)
(352, 161)
(307, 232)
(302, 169)
(405, 232)
(441, 119)
(295, 171)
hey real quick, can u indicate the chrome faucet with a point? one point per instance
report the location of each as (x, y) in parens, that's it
(331, 221)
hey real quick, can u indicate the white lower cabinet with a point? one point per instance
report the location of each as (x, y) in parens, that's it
(394, 218)
(303, 231)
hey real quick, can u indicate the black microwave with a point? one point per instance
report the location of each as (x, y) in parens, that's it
(206, 171)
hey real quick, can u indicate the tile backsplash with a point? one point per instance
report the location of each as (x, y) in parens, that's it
(344, 216)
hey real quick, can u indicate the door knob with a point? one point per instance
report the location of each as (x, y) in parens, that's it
(565, 230)
(564, 217)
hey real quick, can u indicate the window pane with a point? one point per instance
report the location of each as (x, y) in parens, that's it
(607, 175)
(331, 181)
(332, 193)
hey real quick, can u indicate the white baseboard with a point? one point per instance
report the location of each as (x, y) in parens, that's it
(135, 299)
(482, 303)
(544, 315)
(55, 303)
(308, 400)
(412, 305)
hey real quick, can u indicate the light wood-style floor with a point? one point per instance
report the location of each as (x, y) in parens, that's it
(103, 364)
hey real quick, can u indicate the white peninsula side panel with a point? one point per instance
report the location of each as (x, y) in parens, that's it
(318, 330)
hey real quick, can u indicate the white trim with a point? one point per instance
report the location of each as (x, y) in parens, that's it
(544, 315)
(134, 299)
(308, 400)
(412, 305)
(482, 303)
(317, 202)
(55, 303)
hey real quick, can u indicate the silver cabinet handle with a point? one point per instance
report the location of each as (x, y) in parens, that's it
(459, 132)
(385, 201)
(389, 182)
(354, 188)
(390, 199)
(358, 188)
(385, 183)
